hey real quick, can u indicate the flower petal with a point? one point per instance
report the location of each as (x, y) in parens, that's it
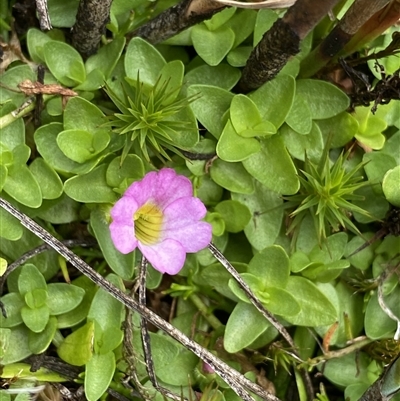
(167, 256)
(123, 237)
(124, 210)
(163, 188)
(181, 223)
(193, 237)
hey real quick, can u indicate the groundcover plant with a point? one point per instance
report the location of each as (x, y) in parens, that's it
(200, 200)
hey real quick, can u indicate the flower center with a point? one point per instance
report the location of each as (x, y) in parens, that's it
(148, 222)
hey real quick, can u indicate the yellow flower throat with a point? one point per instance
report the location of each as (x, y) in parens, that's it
(148, 223)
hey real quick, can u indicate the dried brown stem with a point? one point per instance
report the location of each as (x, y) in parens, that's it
(282, 42)
(90, 25)
(176, 19)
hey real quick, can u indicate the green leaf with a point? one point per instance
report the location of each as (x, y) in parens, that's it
(212, 46)
(77, 348)
(348, 369)
(121, 175)
(232, 176)
(36, 298)
(10, 79)
(324, 99)
(172, 73)
(64, 297)
(370, 128)
(238, 57)
(13, 302)
(246, 118)
(106, 57)
(211, 105)
(62, 14)
(271, 265)
(98, 375)
(81, 146)
(220, 18)
(391, 187)
(17, 348)
(30, 279)
(10, 227)
(267, 211)
(342, 128)
(273, 167)
(121, 264)
(39, 342)
(91, 187)
(49, 182)
(22, 186)
(299, 145)
(244, 326)
(376, 166)
(233, 148)
(222, 75)
(280, 91)
(376, 322)
(316, 309)
(265, 20)
(235, 215)
(107, 314)
(35, 319)
(35, 41)
(64, 62)
(299, 117)
(174, 364)
(143, 58)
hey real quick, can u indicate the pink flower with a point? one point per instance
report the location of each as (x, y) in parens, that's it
(160, 216)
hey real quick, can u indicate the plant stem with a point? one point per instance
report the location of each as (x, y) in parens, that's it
(205, 312)
(23, 110)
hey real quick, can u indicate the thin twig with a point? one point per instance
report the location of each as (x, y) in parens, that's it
(234, 379)
(43, 12)
(37, 251)
(146, 337)
(260, 307)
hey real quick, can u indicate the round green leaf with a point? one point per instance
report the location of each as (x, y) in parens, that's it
(324, 99)
(36, 298)
(10, 227)
(64, 297)
(22, 186)
(222, 75)
(316, 309)
(235, 214)
(80, 146)
(64, 62)
(376, 322)
(391, 186)
(143, 58)
(267, 211)
(280, 91)
(244, 113)
(299, 117)
(211, 104)
(62, 14)
(130, 170)
(212, 46)
(17, 348)
(80, 114)
(35, 40)
(76, 349)
(35, 319)
(273, 167)
(30, 279)
(271, 265)
(91, 187)
(13, 302)
(232, 176)
(244, 326)
(220, 18)
(50, 183)
(98, 375)
(233, 148)
(39, 342)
